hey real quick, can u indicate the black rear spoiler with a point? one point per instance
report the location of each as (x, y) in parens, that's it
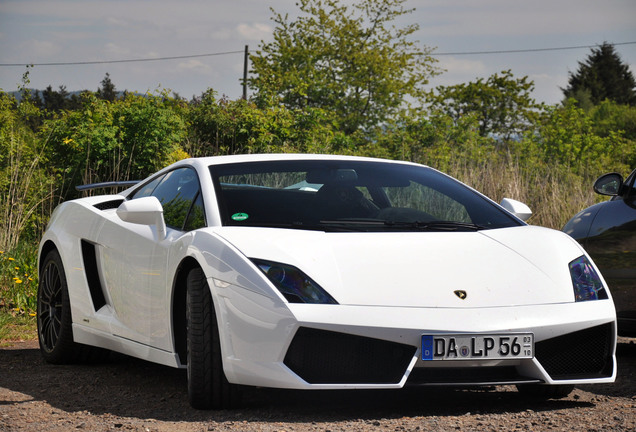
(111, 184)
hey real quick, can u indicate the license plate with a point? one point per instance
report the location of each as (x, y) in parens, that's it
(475, 347)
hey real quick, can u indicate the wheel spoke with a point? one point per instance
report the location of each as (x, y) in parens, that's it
(52, 335)
(45, 329)
(55, 330)
(50, 306)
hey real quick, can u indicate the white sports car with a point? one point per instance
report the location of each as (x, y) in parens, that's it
(322, 272)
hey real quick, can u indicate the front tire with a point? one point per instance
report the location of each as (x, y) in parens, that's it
(207, 385)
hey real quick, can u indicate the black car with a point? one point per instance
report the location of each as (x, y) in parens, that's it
(607, 231)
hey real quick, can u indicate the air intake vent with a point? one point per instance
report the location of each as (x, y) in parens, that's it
(324, 357)
(583, 354)
(92, 276)
(467, 376)
(106, 205)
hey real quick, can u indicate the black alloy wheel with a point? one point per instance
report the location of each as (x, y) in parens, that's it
(50, 305)
(55, 324)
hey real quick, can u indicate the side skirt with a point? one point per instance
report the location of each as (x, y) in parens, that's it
(88, 336)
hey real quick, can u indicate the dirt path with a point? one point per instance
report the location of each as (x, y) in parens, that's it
(125, 394)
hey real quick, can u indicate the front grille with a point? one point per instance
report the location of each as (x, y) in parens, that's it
(325, 357)
(469, 375)
(579, 355)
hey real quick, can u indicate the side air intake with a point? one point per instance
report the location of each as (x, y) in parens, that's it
(89, 256)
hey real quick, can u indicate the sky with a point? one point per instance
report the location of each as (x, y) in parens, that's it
(63, 31)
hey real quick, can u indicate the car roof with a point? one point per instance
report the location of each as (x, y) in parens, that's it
(228, 159)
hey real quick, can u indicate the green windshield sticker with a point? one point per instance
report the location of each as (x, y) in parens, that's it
(240, 217)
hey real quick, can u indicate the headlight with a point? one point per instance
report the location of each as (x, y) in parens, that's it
(586, 281)
(295, 285)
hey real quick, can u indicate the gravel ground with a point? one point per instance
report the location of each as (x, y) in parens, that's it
(125, 394)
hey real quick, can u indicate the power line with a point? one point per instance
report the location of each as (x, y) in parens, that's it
(121, 61)
(524, 50)
(459, 53)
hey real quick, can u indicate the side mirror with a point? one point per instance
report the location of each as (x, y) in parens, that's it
(517, 208)
(144, 211)
(609, 184)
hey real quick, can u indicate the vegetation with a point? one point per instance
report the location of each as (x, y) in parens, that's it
(350, 60)
(16, 327)
(318, 90)
(18, 291)
(602, 76)
(502, 105)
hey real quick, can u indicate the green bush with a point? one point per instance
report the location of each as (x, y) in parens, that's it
(222, 126)
(24, 182)
(125, 139)
(19, 278)
(549, 162)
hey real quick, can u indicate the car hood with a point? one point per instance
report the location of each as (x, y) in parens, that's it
(503, 267)
(579, 226)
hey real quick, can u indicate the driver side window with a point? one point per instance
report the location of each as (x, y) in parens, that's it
(180, 195)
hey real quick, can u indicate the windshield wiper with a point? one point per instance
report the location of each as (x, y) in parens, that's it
(437, 225)
(351, 224)
(369, 224)
(328, 226)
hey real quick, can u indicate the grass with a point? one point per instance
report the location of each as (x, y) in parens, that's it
(553, 195)
(18, 292)
(16, 327)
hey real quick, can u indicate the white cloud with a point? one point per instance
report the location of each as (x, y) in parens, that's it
(39, 49)
(462, 66)
(76, 30)
(116, 50)
(117, 22)
(254, 31)
(221, 34)
(452, 18)
(193, 65)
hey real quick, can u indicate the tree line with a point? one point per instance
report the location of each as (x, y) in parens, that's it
(337, 79)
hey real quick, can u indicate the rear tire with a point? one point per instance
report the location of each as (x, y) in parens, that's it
(208, 388)
(542, 391)
(55, 324)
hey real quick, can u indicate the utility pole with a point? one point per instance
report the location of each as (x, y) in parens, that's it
(245, 72)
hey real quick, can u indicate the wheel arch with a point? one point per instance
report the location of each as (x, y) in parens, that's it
(179, 307)
(47, 247)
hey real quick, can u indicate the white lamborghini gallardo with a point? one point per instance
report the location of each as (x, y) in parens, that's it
(322, 272)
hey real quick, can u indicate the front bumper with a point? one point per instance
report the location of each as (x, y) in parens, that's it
(303, 346)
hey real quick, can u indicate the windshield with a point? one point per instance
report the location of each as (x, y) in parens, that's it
(344, 195)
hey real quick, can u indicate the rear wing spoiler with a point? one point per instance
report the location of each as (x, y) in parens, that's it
(111, 184)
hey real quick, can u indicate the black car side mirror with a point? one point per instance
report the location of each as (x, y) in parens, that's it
(609, 184)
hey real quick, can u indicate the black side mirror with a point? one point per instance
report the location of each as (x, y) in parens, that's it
(609, 184)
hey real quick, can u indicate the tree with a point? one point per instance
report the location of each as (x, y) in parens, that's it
(602, 76)
(567, 137)
(54, 100)
(352, 61)
(619, 122)
(107, 90)
(502, 104)
(222, 126)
